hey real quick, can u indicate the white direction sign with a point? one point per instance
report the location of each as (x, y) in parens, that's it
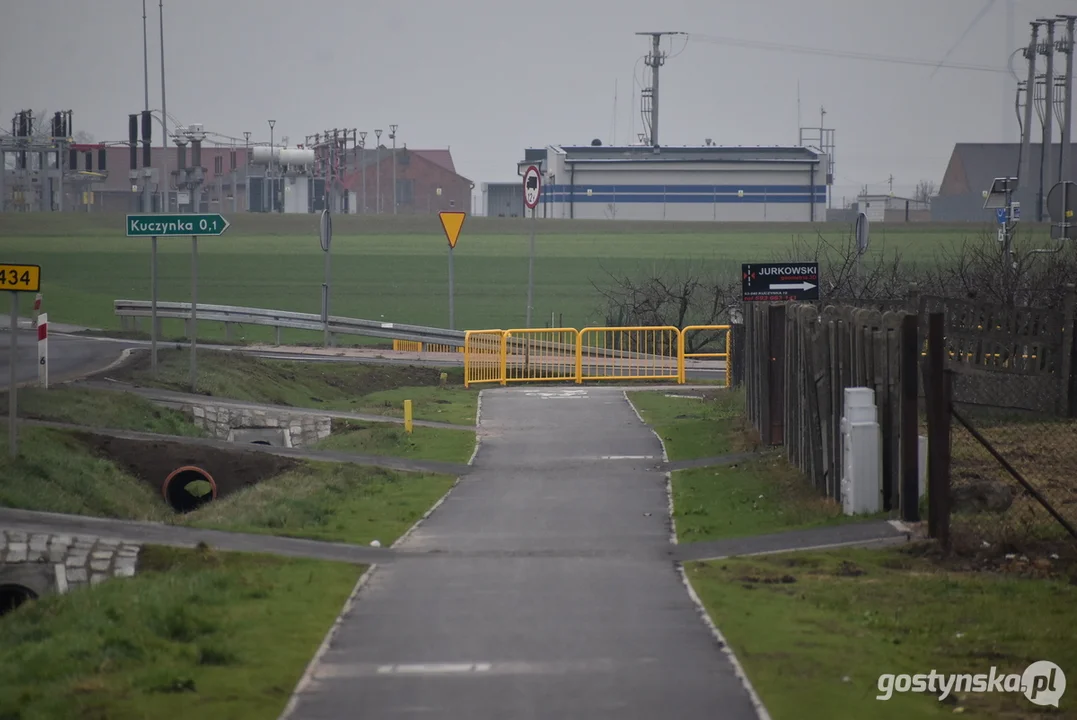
(532, 186)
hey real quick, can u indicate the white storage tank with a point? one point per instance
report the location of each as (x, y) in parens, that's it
(295, 157)
(260, 154)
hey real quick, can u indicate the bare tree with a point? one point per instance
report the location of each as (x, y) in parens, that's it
(845, 275)
(925, 190)
(674, 294)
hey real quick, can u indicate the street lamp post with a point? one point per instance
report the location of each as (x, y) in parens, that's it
(362, 166)
(377, 172)
(246, 171)
(272, 198)
(392, 136)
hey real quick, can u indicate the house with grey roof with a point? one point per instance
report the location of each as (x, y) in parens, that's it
(973, 167)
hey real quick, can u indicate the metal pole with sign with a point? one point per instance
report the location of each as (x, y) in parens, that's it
(861, 238)
(153, 305)
(532, 190)
(182, 225)
(451, 223)
(325, 236)
(16, 279)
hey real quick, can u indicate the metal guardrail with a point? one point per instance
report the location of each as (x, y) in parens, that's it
(234, 315)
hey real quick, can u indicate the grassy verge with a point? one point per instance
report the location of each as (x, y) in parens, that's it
(57, 473)
(695, 424)
(384, 439)
(323, 501)
(351, 387)
(196, 634)
(816, 630)
(759, 496)
(101, 409)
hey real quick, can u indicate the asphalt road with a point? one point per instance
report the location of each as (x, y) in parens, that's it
(530, 613)
(69, 357)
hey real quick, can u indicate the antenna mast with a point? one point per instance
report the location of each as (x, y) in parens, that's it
(649, 96)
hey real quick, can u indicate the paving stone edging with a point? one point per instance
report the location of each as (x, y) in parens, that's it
(86, 560)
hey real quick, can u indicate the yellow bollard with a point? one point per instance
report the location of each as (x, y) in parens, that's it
(407, 417)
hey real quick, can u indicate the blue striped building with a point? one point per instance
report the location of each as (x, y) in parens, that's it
(736, 184)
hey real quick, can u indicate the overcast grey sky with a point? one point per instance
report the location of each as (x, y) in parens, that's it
(490, 77)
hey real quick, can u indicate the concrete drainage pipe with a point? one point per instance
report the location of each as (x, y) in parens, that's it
(12, 596)
(188, 487)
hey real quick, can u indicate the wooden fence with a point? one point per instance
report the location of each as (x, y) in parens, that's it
(799, 361)
(1019, 358)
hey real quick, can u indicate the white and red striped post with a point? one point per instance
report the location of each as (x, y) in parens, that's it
(43, 349)
(37, 308)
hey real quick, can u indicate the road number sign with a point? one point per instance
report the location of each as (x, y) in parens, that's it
(532, 186)
(20, 278)
(779, 282)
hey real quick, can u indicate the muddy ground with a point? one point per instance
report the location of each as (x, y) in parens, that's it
(153, 460)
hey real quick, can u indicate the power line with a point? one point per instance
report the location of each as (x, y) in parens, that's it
(848, 54)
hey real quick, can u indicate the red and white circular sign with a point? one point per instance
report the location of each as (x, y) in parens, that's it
(532, 186)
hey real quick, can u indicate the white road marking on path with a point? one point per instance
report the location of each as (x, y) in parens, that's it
(628, 457)
(461, 669)
(433, 668)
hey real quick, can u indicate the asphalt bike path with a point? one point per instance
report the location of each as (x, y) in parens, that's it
(525, 616)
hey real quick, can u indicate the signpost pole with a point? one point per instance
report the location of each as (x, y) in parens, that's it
(532, 188)
(451, 223)
(325, 237)
(194, 310)
(153, 305)
(12, 402)
(452, 314)
(531, 272)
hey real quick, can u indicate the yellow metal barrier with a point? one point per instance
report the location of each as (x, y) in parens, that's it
(540, 355)
(718, 331)
(484, 352)
(416, 346)
(629, 353)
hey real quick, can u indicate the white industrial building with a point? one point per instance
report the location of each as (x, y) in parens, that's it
(733, 184)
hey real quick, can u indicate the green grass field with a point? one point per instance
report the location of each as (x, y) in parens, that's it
(196, 634)
(815, 630)
(396, 268)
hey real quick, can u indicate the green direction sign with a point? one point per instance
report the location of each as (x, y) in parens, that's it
(175, 225)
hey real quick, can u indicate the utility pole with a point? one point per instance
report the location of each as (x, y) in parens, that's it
(1048, 49)
(166, 201)
(654, 60)
(890, 182)
(1030, 93)
(377, 172)
(1067, 46)
(392, 136)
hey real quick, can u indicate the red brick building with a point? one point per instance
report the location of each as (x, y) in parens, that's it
(420, 174)
(426, 182)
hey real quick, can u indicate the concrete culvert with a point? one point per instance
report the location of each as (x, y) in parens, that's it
(187, 488)
(12, 596)
(260, 442)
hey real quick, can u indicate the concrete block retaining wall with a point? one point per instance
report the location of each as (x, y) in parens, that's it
(221, 420)
(78, 560)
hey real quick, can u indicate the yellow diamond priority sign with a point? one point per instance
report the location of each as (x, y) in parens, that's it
(452, 222)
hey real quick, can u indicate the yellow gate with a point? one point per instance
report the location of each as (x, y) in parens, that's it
(483, 350)
(594, 353)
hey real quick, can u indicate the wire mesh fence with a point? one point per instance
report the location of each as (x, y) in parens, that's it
(1013, 477)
